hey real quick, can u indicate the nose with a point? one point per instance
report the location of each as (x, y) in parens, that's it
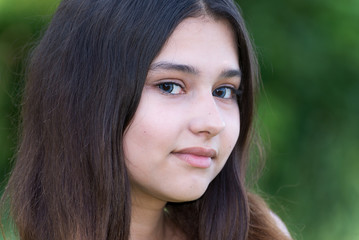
(206, 117)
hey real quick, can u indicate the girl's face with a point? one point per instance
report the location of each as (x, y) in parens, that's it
(187, 122)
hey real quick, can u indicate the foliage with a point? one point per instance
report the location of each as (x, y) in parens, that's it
(309, 53)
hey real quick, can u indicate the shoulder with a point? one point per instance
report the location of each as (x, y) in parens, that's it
(280, 223)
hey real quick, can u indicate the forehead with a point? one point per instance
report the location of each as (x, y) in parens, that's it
(201, 40)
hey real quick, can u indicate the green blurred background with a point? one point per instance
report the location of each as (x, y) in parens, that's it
(308, 110)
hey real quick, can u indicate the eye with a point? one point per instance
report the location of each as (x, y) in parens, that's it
(170, 88)
(224, 92)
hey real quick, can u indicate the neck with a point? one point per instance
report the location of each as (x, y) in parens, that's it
(147, 224)
(147, 220)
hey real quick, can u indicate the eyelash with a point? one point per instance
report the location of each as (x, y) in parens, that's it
(233, 94)
(162, 86)
(168, 87)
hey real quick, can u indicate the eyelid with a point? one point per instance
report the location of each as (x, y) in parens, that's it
(170, 80)
(238, 91)
(231, 86)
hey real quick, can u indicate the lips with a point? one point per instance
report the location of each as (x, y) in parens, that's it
(198, 157)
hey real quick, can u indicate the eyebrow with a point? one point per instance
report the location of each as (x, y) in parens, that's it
(175, 67)
(230, 73)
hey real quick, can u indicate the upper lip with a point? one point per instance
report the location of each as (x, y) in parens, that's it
(199, 151)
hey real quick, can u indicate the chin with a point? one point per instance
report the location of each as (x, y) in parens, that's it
(188, 195)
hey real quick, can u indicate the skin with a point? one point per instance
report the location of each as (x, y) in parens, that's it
(186, 125)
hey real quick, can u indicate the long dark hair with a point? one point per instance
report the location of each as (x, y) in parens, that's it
(83, 86)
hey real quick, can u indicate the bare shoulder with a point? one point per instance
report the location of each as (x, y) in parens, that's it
(280, 224)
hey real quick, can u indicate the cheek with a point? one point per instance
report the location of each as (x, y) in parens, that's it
(151, 133)
(233, 122)
(232, 130)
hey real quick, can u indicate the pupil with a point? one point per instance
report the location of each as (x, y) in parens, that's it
(167, 87)
(219, 92)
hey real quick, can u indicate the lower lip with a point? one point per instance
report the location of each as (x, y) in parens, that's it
(195, 160)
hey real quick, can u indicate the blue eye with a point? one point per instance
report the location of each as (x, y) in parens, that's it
(170, 88)
(224, 92)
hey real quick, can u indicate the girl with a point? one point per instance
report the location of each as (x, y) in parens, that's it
(136, 124)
